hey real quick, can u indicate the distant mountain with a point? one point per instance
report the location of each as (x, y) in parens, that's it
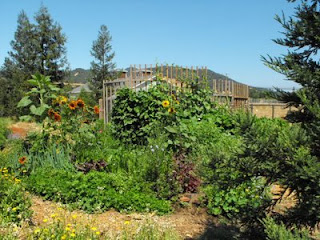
(79, 75)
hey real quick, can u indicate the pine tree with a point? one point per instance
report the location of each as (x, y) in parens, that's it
(36, 48)
(300, 64)
(23, 52)
(18, 67)
(103, 68)
(50, 46)
(11, 88)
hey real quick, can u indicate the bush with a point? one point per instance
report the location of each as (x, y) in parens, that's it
(276, 231)
(14, 204)
(4, 131)
(95, 191)
(136, 115)
(238, 201)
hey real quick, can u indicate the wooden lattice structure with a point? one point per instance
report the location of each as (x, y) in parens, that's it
(142, 78)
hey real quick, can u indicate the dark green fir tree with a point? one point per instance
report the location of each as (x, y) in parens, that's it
(301, 65)
(102, 67)
(50, 46)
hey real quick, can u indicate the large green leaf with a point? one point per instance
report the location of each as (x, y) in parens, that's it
(38, 110)
(25, 101)
(25, 118)
(171, 129)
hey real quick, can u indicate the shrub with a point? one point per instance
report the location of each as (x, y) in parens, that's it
(95, 191)
(4, 131)
(137, 114)
(134, 113)
(276, 231)
(237, 201)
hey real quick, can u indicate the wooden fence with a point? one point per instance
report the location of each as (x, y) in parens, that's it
(140, 77)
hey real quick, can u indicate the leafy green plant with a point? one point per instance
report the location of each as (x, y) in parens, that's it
(39, 98)
(234, 201)
(134, 113)
(70, 124)
(95, 191)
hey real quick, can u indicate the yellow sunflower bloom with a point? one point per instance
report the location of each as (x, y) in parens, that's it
(165, 103)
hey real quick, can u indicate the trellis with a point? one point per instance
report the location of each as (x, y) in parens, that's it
(144, 77)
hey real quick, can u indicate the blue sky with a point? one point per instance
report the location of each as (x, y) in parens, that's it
(228, 37)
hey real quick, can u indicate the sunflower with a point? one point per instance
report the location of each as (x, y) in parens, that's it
(171, 110)
(57, 117)
(63, 100)
(51, 113)
(96, 109)
(80, 103)
(165, 103)
(73, 105)
(22, 160)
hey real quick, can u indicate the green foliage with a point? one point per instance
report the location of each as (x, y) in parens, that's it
(103, 68)
(54, 157)
(11, 89)
(135, 113)
(14, 203)
(50, 46)
(95, 191)
(70, 124)
(39, 97)
(88, 98)
(300, 64)
(237, 201)
(276, 231)
(4, 131)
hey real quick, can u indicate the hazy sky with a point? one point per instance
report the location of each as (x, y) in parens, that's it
(228, 37)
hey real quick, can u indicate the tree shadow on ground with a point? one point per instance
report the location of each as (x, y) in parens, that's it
(221, 231)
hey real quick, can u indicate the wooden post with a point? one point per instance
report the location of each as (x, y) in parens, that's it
(104, 103)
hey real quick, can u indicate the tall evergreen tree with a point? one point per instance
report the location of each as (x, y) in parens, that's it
(23, 53)
(103, 67)
(301, 63)
(50, 46)
(18, 67)
(38, 47)
(11, 88)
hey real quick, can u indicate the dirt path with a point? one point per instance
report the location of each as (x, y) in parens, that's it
(189, 222)
(21, 129)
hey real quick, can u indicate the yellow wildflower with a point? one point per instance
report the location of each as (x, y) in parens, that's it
(72, 235)
(37, 230)
(45, 220)
(74, 216)
(14, 209)
(93, 228)
(127, 222)
(63, 237)
(165, 103)
(68, 229)
(98, 233)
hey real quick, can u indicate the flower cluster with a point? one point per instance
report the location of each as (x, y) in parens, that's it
(170, 105)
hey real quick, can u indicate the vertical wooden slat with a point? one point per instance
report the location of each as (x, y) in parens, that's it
(167, 71)
(151, 72)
